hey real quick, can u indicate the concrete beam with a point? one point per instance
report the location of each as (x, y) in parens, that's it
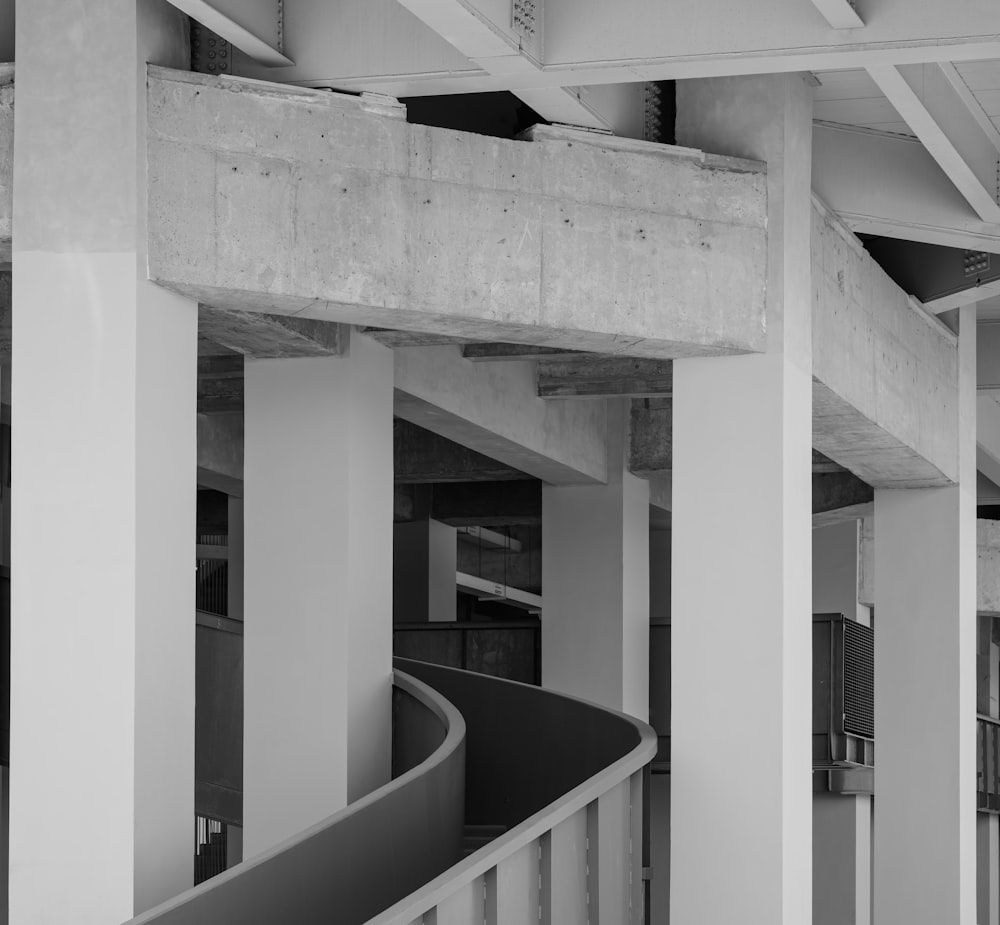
(651, 429)
(604, 377)
(840, 14)
(840, 496)
(886, 184)
(220, 452)
(388, 337)
(220, 384)
(348, 213)
(885, 385)
(498, 353)
(421, 456)
(256, 334)
(485, 504)
(494, 409)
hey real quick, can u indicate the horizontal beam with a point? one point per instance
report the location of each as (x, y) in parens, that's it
(351, 214)
(604, 377)
(260, 335)
(840, 14)
(388, 337)
(462, 504)
(840, 496)
(886, 184)
(493, 409)
(220, 384)
(885, 386)
(421, 456)
(928, 102)
(500, 352)
(380, 46)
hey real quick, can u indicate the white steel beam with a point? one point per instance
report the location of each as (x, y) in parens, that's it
(379, 45)
(840, 14)
(253, 26)
(929, 104)
(890, 185)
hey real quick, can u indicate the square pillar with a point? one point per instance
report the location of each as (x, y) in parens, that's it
(595, 583)
(741, 787)
(318, 587)
(925, 685)
(103, 522)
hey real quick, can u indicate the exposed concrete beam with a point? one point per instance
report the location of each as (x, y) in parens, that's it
(350, 214)
(390, 338)
(840, 14)
(926, 99)
(377, 45)
(253, 26)
(885, 385)
(651, 433)
(421, 456)
(220, 452)
(220, 384)
(603, 377)
(487, 504)
(890, 185)
(840, 496)
(501, 352)
(494, 409)
(256, 334)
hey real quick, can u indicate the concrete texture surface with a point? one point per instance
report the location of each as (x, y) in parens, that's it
(268, 198)
(885, 373)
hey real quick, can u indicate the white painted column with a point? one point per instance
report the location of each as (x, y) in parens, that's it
(103, 523)
(925, 686)
(741, 793)
(318, 587)
(595, 583)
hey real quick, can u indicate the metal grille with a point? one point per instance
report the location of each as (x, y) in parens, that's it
(212, 586)
(859, 679)
(210, 847)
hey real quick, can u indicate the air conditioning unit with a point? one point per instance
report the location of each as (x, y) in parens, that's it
(843, 693)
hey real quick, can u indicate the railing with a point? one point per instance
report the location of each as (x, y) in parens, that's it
(372, 853)
(560, 777)
(210, 848)
(988, 764)
(565, 777)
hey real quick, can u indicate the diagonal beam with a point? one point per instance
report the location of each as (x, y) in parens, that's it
(840, 14)
(514, 47)
(928, 102)
(890, 185)
(253, 26)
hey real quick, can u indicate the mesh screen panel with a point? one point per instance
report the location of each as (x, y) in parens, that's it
(859, 679)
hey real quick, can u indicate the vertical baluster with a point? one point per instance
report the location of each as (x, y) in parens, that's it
(512, 894)
(635, 862)
(564, 872)
(464, 907)
(608, 823)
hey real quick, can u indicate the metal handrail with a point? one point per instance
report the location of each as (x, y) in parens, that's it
(488, 858)
(186, 907)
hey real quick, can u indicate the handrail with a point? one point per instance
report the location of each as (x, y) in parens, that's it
(489, 858)
(245, 893)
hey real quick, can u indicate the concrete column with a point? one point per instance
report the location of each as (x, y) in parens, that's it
(595, 583)
(925, 685)
(103, 525)
(741, 794)
(424, 564)
(318, 587)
